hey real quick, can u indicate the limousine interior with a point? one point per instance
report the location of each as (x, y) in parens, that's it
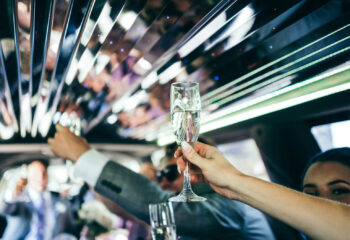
(274, 80)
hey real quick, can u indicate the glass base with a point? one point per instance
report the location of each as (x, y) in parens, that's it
(187, 196)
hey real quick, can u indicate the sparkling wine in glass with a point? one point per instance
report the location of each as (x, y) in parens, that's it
(162, 221)
(185, 121)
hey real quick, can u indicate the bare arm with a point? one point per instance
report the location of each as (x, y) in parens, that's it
(318, 218)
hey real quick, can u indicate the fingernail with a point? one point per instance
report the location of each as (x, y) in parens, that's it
(186, 147)
(178, 169)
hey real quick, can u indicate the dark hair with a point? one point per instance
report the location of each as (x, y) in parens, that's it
(341, 155)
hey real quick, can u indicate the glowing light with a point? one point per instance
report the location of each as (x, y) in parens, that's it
(45, 123)
(311, 89)
(272, 80)
(127, 19)
(224, 87)
(135, 100)
(89, 28)
(85, 64)
(148, 81)
(6, 132)
(113, 118)
(26, 115)
(72, 71)
(156, 156)
(105, 22)
(101, 62)
(165, 140)
(202, 35)
(143, 64)
(170, 72)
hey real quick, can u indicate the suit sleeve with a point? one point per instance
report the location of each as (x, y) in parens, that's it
(134, 193)
(11, 209)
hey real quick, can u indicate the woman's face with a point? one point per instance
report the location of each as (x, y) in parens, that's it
(329, 180)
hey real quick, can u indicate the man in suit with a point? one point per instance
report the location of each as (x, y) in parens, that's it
(32, 212)
(216, 218)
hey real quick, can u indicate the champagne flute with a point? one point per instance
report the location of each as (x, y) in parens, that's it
(162, 221)
(185, 121)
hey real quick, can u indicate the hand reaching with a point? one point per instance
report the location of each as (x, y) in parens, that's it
(67, 145)
(215, 169)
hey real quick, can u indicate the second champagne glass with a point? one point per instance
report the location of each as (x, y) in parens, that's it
(162, 221)
(185, 120)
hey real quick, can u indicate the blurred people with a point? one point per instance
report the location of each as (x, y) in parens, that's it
(43, 215)
(318, 218)
(216, 218)
(327, 175)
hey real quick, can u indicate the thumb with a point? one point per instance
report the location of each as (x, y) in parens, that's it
(191, 154)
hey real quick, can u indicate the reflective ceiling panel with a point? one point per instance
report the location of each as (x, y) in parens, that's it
(8, 121)
(41, 27)
(108, 64)
(41, 51)
(23, 29)
(55, 23)
(9, 53)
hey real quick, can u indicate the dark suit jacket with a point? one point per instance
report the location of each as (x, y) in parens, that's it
(19, 216)
(216, 218)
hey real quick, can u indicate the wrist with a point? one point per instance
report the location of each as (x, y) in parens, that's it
(236, 184)
(78, 153)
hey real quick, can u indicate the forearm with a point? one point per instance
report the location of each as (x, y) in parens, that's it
(317, 218)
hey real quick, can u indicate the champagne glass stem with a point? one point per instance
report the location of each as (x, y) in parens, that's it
(187, 178)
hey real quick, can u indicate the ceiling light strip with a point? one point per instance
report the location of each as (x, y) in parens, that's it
(230, 84)
(279, 77)
(244, 85)
(271, 102)
(339, 82)
(236, 108)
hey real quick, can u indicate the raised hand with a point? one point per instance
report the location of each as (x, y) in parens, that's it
(67, 145)
(21, 184)
(215, 169)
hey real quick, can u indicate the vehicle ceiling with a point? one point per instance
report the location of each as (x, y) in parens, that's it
(104, 68)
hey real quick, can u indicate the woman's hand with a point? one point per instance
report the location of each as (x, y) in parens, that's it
(215, 169)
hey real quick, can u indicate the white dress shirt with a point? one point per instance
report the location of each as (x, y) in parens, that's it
(49, 215)
(89, 166)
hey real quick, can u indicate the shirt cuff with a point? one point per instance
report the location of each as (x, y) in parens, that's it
(89, 166)
(8, 196)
